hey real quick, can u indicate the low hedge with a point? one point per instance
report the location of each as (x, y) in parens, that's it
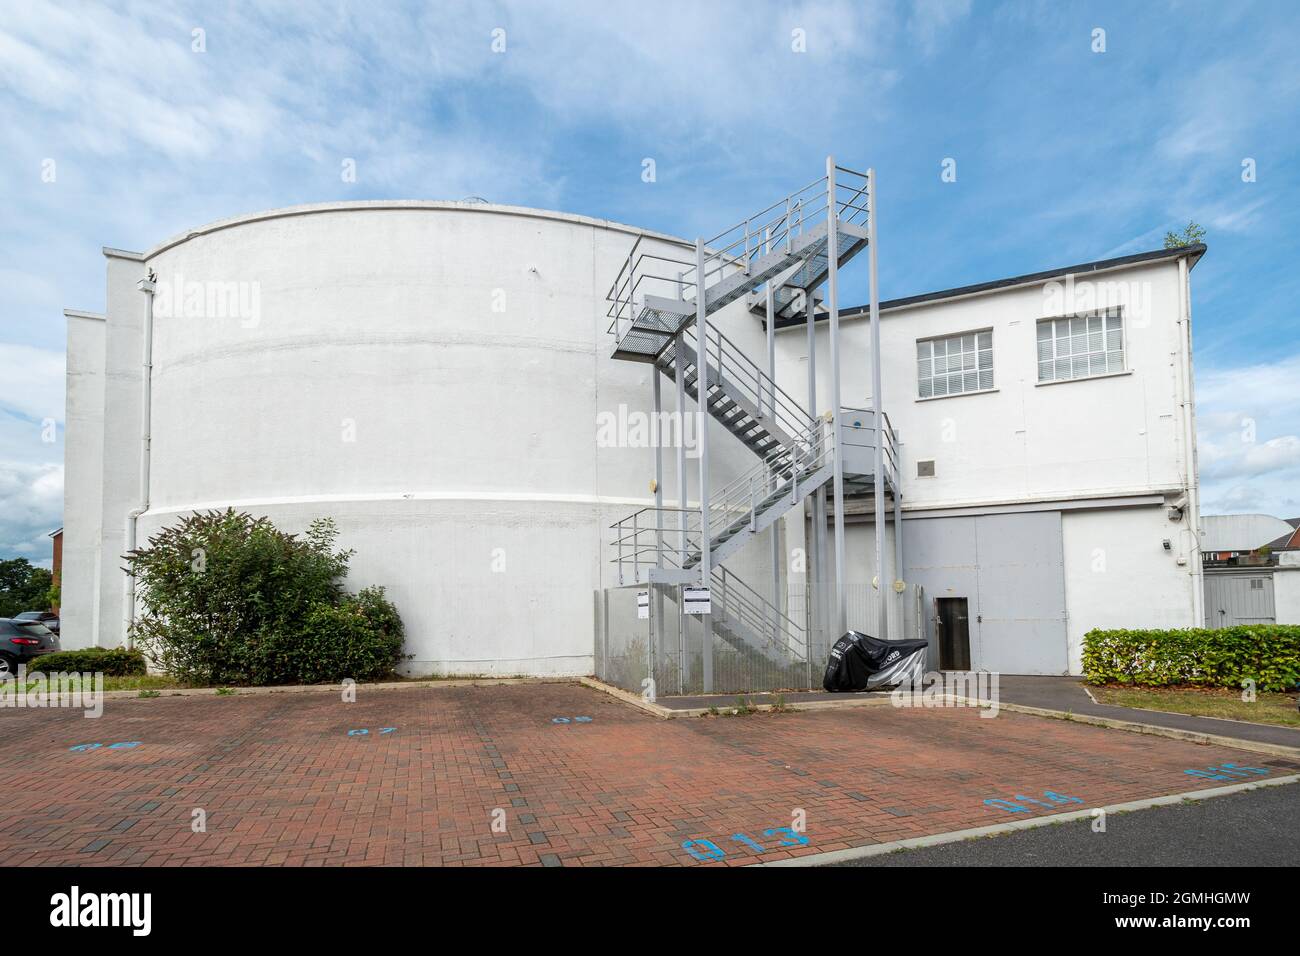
(111, 662)
(1268, 654)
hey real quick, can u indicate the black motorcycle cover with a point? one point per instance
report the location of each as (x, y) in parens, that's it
(856, 657)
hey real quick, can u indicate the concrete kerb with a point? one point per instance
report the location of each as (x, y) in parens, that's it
(1133, 726)
(997, 829)
(668, 713)
(238, 691)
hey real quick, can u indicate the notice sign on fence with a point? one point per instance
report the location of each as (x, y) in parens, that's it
(696, 601)
(642, 605)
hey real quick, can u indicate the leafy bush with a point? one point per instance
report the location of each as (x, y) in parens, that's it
(1268, 654)
(230, 599)
(360, 637)
(112, 662)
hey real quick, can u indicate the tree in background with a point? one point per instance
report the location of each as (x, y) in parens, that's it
(23, 587)
(1188, 237)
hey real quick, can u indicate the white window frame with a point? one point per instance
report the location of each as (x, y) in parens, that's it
(1072, 358)
(947, 375)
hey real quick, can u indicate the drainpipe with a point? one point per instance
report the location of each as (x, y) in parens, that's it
(148, 286)
(1185, 381)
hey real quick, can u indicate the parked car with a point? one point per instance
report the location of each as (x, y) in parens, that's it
(48, 618)
(23, 641)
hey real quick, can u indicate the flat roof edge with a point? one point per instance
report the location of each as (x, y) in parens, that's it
(1194, 252)
(111, 253)
(79, 314)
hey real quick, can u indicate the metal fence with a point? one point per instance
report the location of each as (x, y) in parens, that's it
(668, 645)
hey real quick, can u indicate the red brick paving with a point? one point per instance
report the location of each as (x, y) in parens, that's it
(282, 783)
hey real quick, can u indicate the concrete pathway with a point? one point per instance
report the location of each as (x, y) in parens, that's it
(1068, 693)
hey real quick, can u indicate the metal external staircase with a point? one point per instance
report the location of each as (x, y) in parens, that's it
(653, 309)
(654, 294)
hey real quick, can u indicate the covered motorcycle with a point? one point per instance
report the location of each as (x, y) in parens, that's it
(861, 662)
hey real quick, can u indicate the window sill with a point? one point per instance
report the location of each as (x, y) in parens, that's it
(1084, 378)
(937, 398)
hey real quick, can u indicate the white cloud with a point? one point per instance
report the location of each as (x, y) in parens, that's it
(1249, 455)
(32, 383)
(31, 506)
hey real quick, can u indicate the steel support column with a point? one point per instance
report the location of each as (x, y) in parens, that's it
(877, 404)
(657, 610)
(898, 552)
(702, 407)
(680, 376)
(832, 303)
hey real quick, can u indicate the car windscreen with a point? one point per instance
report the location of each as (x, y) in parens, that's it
(31, 628)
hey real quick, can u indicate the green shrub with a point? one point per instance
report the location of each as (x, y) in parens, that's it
(1268, 654)
(111, 662)
(360, 637)
(230, 599)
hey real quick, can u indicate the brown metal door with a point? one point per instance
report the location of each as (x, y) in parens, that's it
(952, 622)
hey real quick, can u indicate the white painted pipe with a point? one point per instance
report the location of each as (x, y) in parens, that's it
(148, 287)
(1192, 510)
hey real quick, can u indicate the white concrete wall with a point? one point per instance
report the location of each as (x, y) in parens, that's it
(82, 475)
(1118, 574)
(1286, 589)
(429, 375)
(120, 474)
(1021, 441)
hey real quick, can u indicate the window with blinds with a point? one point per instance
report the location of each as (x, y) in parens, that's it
(955, 364)
(1080, 346)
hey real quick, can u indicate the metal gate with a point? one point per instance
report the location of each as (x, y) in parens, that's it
(1239, 597)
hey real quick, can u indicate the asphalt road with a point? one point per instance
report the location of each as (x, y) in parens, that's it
(1254, 828)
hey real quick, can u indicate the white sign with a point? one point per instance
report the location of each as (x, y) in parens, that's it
(643, 605)
(696, 601)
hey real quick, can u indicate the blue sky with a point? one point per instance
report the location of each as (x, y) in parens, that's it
(1063, 155)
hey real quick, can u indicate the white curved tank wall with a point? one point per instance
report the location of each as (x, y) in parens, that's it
(429, 375)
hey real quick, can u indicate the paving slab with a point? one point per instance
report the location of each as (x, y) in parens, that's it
(544, 775)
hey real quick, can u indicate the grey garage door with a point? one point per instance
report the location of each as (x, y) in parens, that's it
(1010, 569)
(1237, 597)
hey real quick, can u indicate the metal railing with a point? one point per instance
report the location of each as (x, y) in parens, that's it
(644, 273)
(727, 361)
(739, 245)
(670, 537)
(735, 249)
(756, 614)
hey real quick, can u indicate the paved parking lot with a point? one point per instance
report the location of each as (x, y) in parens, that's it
(290, 779)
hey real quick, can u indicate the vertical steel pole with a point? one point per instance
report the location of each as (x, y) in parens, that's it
(877, 404)
(680, 376)
(898, 551)
(657, 612)
(771, 410)
(832, 302)
(702, 406)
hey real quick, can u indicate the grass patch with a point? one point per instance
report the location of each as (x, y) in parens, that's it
(1267, 708)
(140, 682)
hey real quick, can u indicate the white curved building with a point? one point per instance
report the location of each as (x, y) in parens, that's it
(439, 379)
(429, 374)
